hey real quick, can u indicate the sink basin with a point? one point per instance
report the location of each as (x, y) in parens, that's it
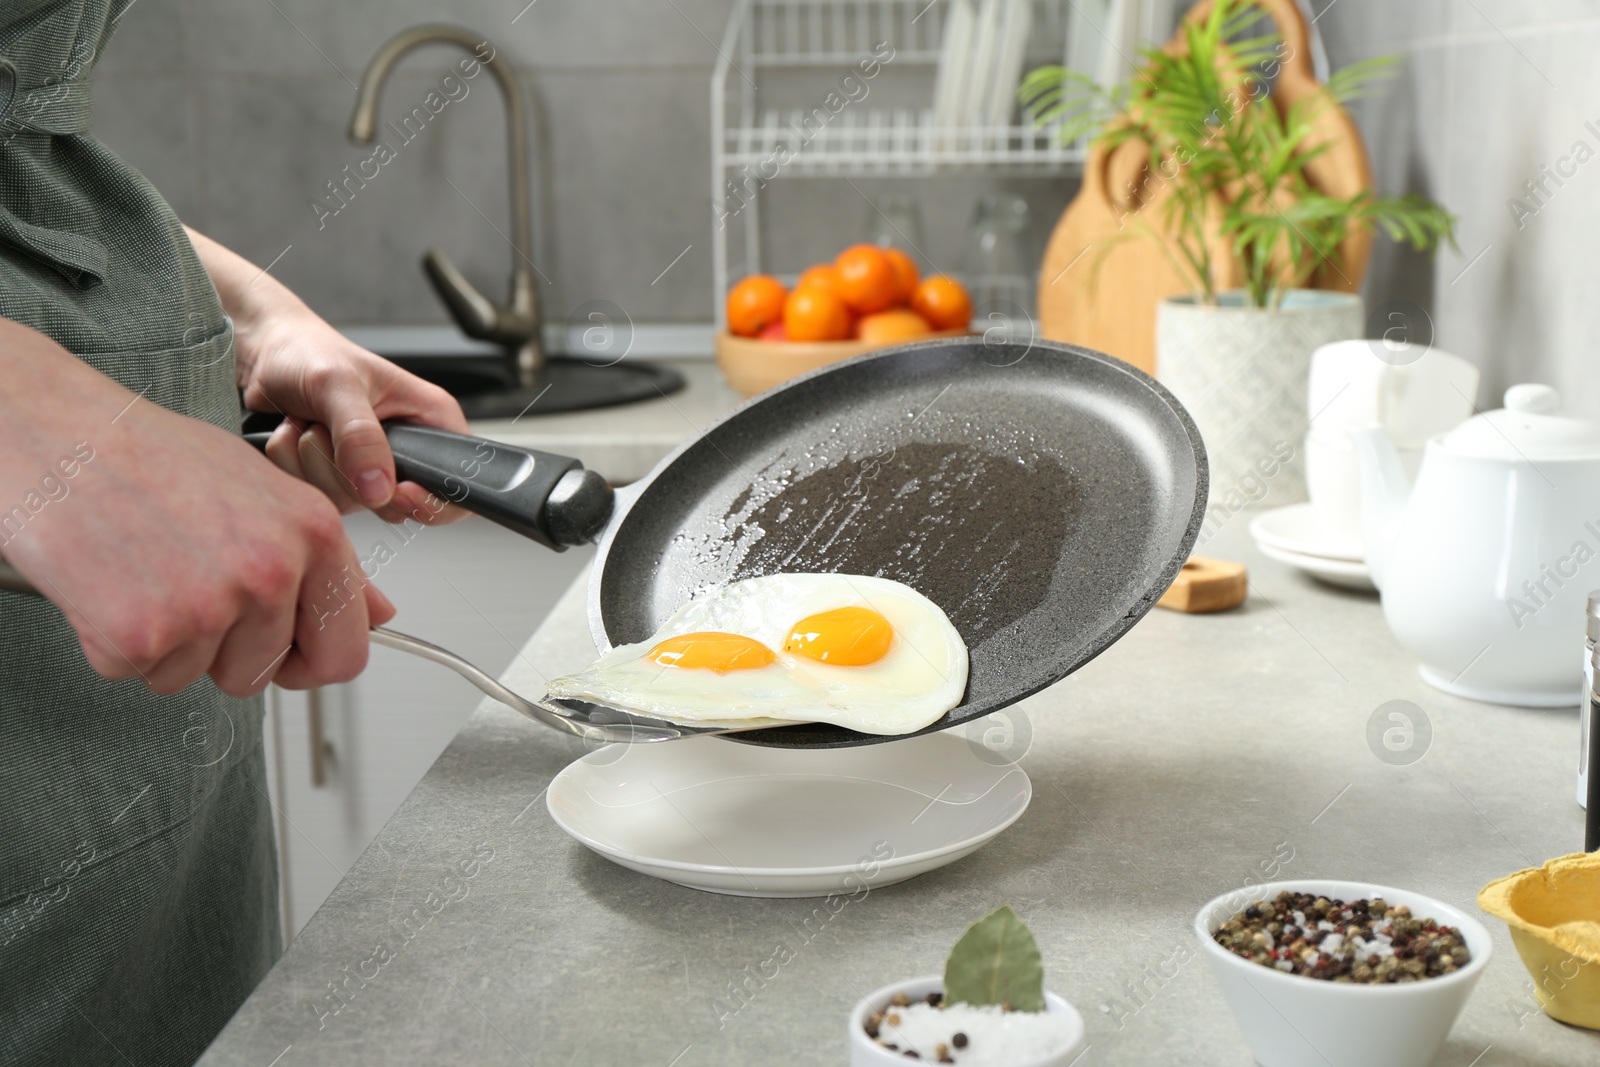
(485, 388)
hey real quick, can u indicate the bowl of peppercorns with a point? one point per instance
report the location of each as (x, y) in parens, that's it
(1342, 974)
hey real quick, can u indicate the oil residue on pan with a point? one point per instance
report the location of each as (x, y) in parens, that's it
(901, 500)
(949, 520)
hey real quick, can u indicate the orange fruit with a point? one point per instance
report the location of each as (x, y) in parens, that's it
(896, 324)
(944, 302)
(754, 303)
(774, 331)
(822, 276)
(867, 280)
(812, 313)
(905, 273)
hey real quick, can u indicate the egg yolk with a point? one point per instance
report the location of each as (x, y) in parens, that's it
(713, 651)
(843, 637)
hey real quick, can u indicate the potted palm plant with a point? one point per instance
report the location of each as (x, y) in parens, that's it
(1236, 139)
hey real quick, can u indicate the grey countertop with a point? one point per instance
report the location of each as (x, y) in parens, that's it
(1182, 763)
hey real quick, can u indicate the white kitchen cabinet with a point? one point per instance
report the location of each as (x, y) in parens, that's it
(474, 588)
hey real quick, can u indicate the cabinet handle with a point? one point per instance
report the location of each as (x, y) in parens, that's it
(321, 751)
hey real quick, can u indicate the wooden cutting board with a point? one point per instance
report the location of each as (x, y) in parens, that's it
(1105, 269)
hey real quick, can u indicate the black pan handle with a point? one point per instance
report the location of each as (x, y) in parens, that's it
(550, 498)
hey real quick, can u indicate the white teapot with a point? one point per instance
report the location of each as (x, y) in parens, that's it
(1486, 564)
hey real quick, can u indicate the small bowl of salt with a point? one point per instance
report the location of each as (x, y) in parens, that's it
(972, 1035)
(989, 1009)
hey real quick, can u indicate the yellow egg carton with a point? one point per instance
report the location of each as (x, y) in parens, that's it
(1554, 915)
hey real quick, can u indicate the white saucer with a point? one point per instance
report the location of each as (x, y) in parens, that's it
(1347, 573)
(1297, 529)
(767, 822)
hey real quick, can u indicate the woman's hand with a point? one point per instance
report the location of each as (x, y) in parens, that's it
(170, 547)
(333, 392)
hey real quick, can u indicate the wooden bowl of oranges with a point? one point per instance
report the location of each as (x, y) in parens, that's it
(868, 298)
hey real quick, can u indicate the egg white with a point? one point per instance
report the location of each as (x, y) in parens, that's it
(922, 676)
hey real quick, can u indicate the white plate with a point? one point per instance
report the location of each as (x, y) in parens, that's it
(1343, 572)
(1297, 529)
(767, 822)
(955, 64)
(1012, 49)
(985, 56)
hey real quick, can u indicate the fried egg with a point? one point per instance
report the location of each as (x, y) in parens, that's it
(868, 654)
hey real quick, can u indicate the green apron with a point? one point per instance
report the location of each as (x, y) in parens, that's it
(138, 882)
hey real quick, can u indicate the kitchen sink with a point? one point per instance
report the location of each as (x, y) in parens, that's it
(485, 388)
(520, 380)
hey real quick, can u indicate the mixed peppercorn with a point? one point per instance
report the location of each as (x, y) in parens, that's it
(1367, 942)
(889, 1015)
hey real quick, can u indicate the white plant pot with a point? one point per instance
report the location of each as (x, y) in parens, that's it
(1242, 372)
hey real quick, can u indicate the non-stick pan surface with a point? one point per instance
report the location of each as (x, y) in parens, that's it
(1044, 497)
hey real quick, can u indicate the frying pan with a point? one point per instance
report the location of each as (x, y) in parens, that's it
(1043, 495)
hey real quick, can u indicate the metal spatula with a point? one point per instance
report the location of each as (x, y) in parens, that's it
(592, 722)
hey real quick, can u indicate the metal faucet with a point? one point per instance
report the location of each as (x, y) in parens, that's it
(517, 324)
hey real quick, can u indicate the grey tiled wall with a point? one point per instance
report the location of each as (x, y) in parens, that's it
(236, 109)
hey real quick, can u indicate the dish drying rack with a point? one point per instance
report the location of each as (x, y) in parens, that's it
(769, 47)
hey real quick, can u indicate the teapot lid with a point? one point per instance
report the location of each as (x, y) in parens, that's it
(1527, 429)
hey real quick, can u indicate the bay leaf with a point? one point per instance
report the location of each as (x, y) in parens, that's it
(996, 962)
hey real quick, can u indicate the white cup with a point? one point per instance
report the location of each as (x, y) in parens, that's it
(1414, 392)
(1333, 482)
